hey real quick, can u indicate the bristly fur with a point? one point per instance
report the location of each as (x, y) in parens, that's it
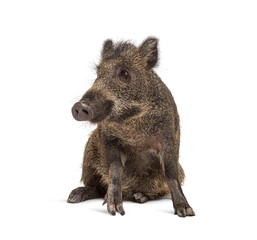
(134, 151)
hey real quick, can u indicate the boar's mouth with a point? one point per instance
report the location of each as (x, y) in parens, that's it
(102, 111)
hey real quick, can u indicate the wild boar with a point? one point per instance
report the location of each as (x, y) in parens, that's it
(133, 153)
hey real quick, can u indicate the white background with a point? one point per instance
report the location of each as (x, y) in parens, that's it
(208, 59)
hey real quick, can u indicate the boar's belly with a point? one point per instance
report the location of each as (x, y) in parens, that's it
(144, 173)
(142, 164)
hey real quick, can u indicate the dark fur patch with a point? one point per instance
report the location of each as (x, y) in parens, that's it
(126, 113)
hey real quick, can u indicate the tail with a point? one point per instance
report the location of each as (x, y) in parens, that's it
(181, 174)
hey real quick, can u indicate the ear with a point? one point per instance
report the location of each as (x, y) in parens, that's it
(149, 52)
(107, 49)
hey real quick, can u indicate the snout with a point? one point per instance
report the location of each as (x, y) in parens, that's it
(82, 112)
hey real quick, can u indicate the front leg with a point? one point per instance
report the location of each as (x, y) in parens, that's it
(180, 204)
(114, 193)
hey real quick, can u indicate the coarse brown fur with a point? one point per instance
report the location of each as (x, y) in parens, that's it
(133, 153)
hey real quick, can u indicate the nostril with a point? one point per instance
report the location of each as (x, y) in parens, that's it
(82, 112)
(85, 111)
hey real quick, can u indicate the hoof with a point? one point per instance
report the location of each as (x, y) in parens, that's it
(140, 198)
(77, 195)
(184, 211)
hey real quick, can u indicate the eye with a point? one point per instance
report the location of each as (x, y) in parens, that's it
(124, 74)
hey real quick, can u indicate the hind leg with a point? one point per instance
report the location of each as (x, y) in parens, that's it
(81, 194)
(90, 178)
(92, 187)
